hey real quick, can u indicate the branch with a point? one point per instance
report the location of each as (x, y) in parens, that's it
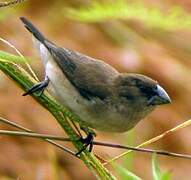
(33, 135)
(170, 131)
(29, 131)
(106, 144)
(160, 152)
(25, 81)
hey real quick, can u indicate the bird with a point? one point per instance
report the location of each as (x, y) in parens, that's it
(104, 98)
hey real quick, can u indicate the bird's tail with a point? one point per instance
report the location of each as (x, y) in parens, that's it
(31, 28)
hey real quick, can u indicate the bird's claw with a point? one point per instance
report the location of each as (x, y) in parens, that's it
(88, 141)
(38, 87)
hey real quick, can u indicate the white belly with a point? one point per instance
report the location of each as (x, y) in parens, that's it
(66, 94)
(95, 113)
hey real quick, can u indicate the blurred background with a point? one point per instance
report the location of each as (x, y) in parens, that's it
(148, 37)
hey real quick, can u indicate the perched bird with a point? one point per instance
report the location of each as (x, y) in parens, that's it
(102, 97)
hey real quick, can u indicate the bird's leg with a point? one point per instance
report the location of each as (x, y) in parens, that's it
(38, 87)
(88, 140)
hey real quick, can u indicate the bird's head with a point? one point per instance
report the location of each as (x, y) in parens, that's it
(141, 90)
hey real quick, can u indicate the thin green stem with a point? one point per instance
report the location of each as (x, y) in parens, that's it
(25, 81)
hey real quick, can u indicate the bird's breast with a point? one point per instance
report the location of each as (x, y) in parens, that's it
(96, 113)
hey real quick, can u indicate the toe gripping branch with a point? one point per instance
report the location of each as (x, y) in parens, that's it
(88, 141)
(38, 87)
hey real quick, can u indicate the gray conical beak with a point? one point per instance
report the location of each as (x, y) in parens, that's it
(161, 97)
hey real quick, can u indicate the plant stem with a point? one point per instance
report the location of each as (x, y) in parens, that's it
(29, 131)
(106, 144)
(33, 135)
(25, 81)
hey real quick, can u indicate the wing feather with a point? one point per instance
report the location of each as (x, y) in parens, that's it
(91, 77)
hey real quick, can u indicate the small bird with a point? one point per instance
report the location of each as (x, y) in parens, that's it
(102, 97)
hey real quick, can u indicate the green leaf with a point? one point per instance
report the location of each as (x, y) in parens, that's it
(166, 176)
(24, 80)
(4, 56)
(157, 174)
(155, 168)
(124, 173)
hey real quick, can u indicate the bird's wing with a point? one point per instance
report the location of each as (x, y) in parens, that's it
(91, 77)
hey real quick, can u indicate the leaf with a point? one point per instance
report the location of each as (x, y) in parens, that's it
(24, 80)
(166, 176)
(157, 174)
(4, 56)
(124, 173)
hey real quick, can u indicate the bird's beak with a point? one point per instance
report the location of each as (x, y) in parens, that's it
(160, 98)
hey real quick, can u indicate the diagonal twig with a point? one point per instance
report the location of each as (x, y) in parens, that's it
(24, 80)
(106, 144)
(180, 126)
(29, 131)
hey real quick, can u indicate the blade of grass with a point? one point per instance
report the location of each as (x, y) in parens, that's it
(180, 126)
(124, 173)
(157, 173)
(10, 57)
(21, 56)
(25, 81)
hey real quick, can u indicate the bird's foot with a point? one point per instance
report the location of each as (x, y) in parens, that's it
(38, 87)
(88, 141)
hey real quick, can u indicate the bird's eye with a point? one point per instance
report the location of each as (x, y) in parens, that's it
(148, 91)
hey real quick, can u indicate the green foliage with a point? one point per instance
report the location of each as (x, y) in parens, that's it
(4, 56)
(124, 173)
(175, 17)
(24, 80)
(157, 174)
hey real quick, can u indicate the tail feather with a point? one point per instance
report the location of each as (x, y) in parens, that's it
(31, 28)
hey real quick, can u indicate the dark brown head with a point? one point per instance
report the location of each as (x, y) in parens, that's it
(141, 90)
